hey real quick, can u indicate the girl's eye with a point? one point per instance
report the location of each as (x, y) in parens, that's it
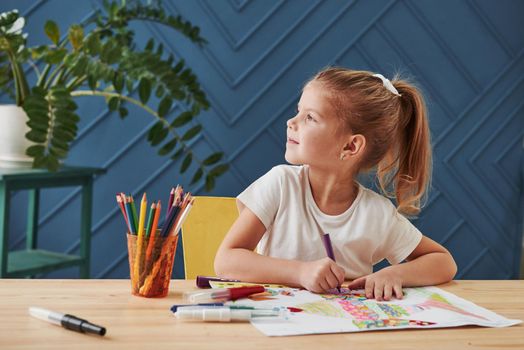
(309, 117)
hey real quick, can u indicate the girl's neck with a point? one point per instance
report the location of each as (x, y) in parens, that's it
(333, 192)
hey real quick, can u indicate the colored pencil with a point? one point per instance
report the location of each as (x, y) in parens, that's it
(329, 249)
(183, 217)
(170, 201)
(133, 210)
(169, 221)
(129, 213)
(121, 204)
(141, 221)
(150, 219)
(151, 242)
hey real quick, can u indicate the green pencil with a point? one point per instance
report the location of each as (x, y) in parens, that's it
(133, 209)
(150, 219)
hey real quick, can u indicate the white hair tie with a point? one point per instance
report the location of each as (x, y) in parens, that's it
(387, 84)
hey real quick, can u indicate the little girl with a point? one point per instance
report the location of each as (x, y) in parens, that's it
(347, 122)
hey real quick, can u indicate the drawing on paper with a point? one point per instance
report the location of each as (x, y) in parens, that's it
(351, 311)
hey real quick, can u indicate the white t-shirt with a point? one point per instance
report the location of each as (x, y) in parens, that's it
(369, 231)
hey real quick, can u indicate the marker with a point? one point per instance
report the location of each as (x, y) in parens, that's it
(203, 281)
(176, 307)
(222, 294)
(221, 314)
(329, 249)
(67, 321)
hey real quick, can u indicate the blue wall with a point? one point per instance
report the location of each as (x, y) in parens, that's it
(467, 56)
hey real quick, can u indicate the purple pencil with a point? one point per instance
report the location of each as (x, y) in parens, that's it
(170, 201)
(329, 249)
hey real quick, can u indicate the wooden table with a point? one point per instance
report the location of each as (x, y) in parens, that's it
(134, 322)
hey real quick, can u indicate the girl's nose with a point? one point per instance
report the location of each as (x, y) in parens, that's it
(290, 122)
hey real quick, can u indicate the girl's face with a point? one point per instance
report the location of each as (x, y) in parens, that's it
(311, 134)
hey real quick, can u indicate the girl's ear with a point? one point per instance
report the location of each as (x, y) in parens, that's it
(355, 146)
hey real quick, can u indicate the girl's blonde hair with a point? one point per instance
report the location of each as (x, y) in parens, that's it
(396, 129)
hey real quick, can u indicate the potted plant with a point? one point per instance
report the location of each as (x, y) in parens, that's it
(100, 58)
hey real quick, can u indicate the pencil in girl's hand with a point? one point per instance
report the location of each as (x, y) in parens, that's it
(329, 249)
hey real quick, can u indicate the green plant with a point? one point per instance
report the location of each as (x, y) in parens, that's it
(101, 58)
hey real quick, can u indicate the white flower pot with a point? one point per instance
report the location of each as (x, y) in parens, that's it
(13, 143)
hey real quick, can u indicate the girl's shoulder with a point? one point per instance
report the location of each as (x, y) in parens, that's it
(371, 200)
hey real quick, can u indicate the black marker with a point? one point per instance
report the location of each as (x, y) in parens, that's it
(67, 321)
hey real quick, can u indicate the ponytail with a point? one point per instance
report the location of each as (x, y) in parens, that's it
(408, 164)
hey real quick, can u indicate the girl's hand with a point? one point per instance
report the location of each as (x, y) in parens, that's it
(320, 276)
(380, 285)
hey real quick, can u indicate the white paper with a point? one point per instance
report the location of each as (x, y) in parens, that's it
(350, 311)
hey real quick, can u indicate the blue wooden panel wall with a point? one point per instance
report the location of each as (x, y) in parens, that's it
(466, 55)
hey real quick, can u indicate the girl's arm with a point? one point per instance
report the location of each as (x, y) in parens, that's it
(429, 264)
(235, 259)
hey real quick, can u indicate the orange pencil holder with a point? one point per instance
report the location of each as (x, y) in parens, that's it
(151, 264)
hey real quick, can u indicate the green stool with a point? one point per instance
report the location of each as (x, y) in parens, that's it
(28, 262)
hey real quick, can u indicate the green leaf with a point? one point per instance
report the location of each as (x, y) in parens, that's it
(123, 112)
(55, 56)
(91, 81)
(118, 82)
(154, 129)
(52, 31)
(159, 91)
(36, 136)
(219, 170)
(179, 66)
(52, 163)
(76, 36)
(105, 51)
(144, 90)
(93, 44)
(80, 66)
(38, 125)
(57, 152)
(210, 183)
(35, 151)
(157, 134)
(192, 132)
(197, 176)
(168, 147)
(113, 103)
(186, 162)
(165, 106)
(212, 159)
(182, 119)
(113, 55)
